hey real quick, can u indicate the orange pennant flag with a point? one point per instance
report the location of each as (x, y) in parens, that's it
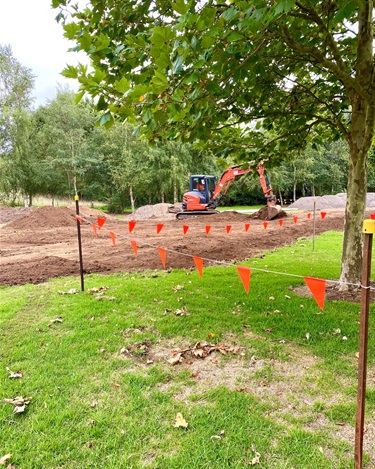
(100, 221)
(247, 226)
(185, 228)
(134, 246)
(244, 273)
(131, 225)
(159, 227)
(281, 222)
(228, 228)
(95, 230)
(265, 224)
(79, 218)
(295, 219)
(198, 264)
(308, 216)
(163, 255)
(323, 214)
(113, 237)
(317, 286)
(208, 228)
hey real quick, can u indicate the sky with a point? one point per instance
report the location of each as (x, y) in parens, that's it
(37, 42)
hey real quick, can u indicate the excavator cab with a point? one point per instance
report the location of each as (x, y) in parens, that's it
(201, 189)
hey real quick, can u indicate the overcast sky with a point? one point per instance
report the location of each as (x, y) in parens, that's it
(37, 42)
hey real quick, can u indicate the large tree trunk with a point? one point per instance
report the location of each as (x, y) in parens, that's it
(360, 139)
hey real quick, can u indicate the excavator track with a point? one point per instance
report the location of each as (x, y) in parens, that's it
(195, 213)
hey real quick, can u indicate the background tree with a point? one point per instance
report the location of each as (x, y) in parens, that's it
(60, 141)
(16, 159)
(303, 68)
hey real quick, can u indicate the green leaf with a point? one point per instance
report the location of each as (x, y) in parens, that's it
(122, 86)
(106, 120)
(177, 64)
(79, 97)
(230, 14)
(102, 104)
(284, 6)
(147, 116)
(161, 35)
(234, 36)
(345, 11)
(71, 29)
(159, 82)
(99, 76)
(70, 72)
(180, 7)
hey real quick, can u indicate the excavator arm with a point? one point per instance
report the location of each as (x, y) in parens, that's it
(238, 170)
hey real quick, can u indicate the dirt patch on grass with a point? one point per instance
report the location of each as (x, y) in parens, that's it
(42, 244)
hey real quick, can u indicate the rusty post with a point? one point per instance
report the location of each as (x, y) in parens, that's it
(313, 241)
(368, 230)
(76, 198)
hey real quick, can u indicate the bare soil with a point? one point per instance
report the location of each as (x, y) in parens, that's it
(39, 244)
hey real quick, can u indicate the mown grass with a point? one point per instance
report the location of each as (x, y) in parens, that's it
(276, 403)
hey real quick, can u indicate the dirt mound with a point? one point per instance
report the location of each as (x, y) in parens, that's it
(329, 201)
(9, 214)
(46, 217)
(153, 211)
(262, 214)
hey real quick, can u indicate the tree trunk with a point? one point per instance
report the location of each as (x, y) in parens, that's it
(360, 139)
(132, 199)
(162, 197)
(25, 201)
(175, 198)
(30, 200)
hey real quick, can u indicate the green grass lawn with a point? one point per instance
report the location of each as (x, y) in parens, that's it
(103, 394)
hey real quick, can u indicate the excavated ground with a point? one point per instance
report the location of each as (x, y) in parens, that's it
(39, 244)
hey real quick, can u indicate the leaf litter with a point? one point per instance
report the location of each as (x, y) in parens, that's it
(19, 403)
(201, 350)
(14, 374)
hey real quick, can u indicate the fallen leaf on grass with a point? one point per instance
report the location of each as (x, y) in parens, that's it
(177, 288)
(94, 404)
(180, 421)
(4, 459)
(182, 312)
(271, 298)
(219, 436)
(52, 321)
(175, 359)
(256, 458)
(72, 291)
(340, 424)
(19, 403)
(116, 385)
(93, 291)
(105, 298)
(14, 374)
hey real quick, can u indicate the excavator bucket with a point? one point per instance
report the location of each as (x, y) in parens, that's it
(273, 211)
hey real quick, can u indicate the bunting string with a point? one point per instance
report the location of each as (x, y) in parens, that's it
(135, 242)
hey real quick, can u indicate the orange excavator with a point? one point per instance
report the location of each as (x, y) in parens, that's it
(204, 194)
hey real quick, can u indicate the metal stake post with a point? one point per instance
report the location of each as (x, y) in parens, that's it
(76, 198)
(313, 242)
(368, 230)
